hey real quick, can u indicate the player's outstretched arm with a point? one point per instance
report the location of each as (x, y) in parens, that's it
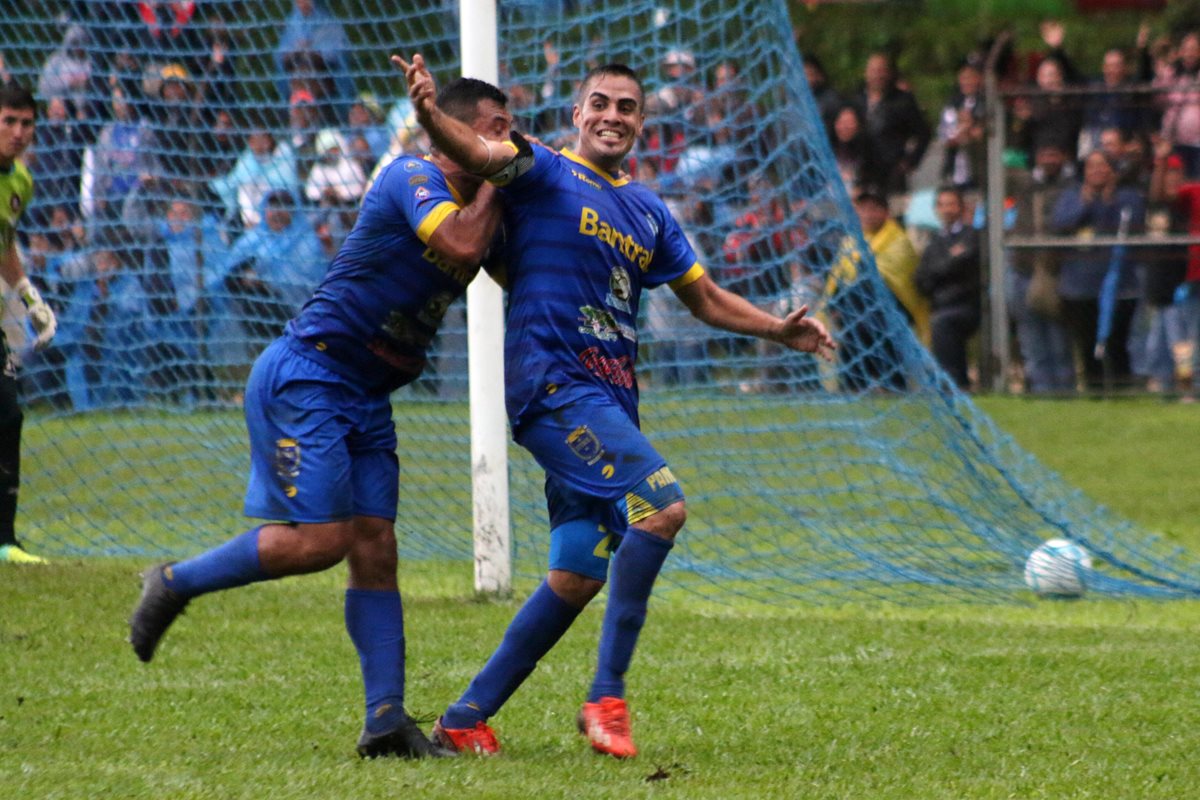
(452, 137)
(724, 309)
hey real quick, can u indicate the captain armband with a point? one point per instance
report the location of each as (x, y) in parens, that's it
(521, 163)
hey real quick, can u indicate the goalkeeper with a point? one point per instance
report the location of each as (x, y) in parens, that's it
(581, 243)
(18, 116)
(322, 442)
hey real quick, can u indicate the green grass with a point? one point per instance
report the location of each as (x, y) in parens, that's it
(255, 693)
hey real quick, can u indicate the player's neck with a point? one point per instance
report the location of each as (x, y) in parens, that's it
(601, 163)
(465, 183)
(6, 166)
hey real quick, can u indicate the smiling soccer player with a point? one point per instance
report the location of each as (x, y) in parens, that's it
(582, 241)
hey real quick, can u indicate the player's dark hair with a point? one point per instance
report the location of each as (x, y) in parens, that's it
(460, 98)
(611, 70)
(17, 98)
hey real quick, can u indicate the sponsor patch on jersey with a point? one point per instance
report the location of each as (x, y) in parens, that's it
(417, 180)
(14, 203)
(287, 458)
(599, 323)
(435, 308)
(617, 371)
(580, 176)
(400, 328)
(585, 444)
(421, 193)
(619, 289)
(412, 166)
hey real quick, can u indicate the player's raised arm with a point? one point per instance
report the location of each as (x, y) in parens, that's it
(452, 137)
(723, 309)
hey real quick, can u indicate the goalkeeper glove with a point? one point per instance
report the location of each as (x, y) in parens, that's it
(521, 163)
(40, 315)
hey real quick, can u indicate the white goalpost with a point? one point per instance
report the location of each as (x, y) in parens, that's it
(485, 342)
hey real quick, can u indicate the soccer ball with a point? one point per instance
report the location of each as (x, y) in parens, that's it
(1058, 568)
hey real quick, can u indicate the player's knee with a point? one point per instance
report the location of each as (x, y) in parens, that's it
(372, 558)
(574, 589)
(665, 523)
(327, 543)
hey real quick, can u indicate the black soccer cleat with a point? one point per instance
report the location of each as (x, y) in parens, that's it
(155, 611)
(405, 741)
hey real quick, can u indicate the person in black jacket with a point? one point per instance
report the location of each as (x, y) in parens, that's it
(948, 275)
(897, 132)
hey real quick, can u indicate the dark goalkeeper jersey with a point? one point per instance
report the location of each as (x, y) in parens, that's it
(374, 314)
(580, 246)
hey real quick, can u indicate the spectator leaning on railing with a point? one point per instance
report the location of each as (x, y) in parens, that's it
(1095, 208)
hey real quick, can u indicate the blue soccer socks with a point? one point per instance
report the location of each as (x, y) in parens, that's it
(375, 621)
(635, 565)
(234, 563)
(535, 629)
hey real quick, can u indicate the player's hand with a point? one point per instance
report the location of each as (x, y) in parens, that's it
(801, 332)
(421, 88)
(40, 315)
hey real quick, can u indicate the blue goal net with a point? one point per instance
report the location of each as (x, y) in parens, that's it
(197, 165)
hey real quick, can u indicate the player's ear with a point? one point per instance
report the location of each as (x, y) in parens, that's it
(575, 113)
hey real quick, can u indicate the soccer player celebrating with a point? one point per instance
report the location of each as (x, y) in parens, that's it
(18, 115)
(322, 441)
(582, 242)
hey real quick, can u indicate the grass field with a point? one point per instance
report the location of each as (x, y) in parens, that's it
(255, 693)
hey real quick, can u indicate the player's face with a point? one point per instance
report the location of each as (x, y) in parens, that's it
(609, 120)
(491, 121)
(16, 133)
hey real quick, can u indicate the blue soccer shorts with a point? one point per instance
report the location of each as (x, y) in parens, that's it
(320, 450)
(602, 475)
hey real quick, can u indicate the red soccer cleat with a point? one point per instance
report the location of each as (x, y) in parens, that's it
(606, 725)
(480, 740)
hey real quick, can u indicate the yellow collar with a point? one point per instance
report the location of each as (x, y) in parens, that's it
(578, 159)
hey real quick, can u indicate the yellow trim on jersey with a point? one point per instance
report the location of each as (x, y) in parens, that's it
(691, 276)
(578, 159)
(453, 192)
(435, 218)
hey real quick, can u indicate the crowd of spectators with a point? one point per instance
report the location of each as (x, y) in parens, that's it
(178, 225)
(1113, 157)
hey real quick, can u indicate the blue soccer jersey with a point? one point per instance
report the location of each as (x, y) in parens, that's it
(581, 245)
(373, 316)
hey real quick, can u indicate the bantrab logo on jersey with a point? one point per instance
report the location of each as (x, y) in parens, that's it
(590, 224)
(14, 203)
